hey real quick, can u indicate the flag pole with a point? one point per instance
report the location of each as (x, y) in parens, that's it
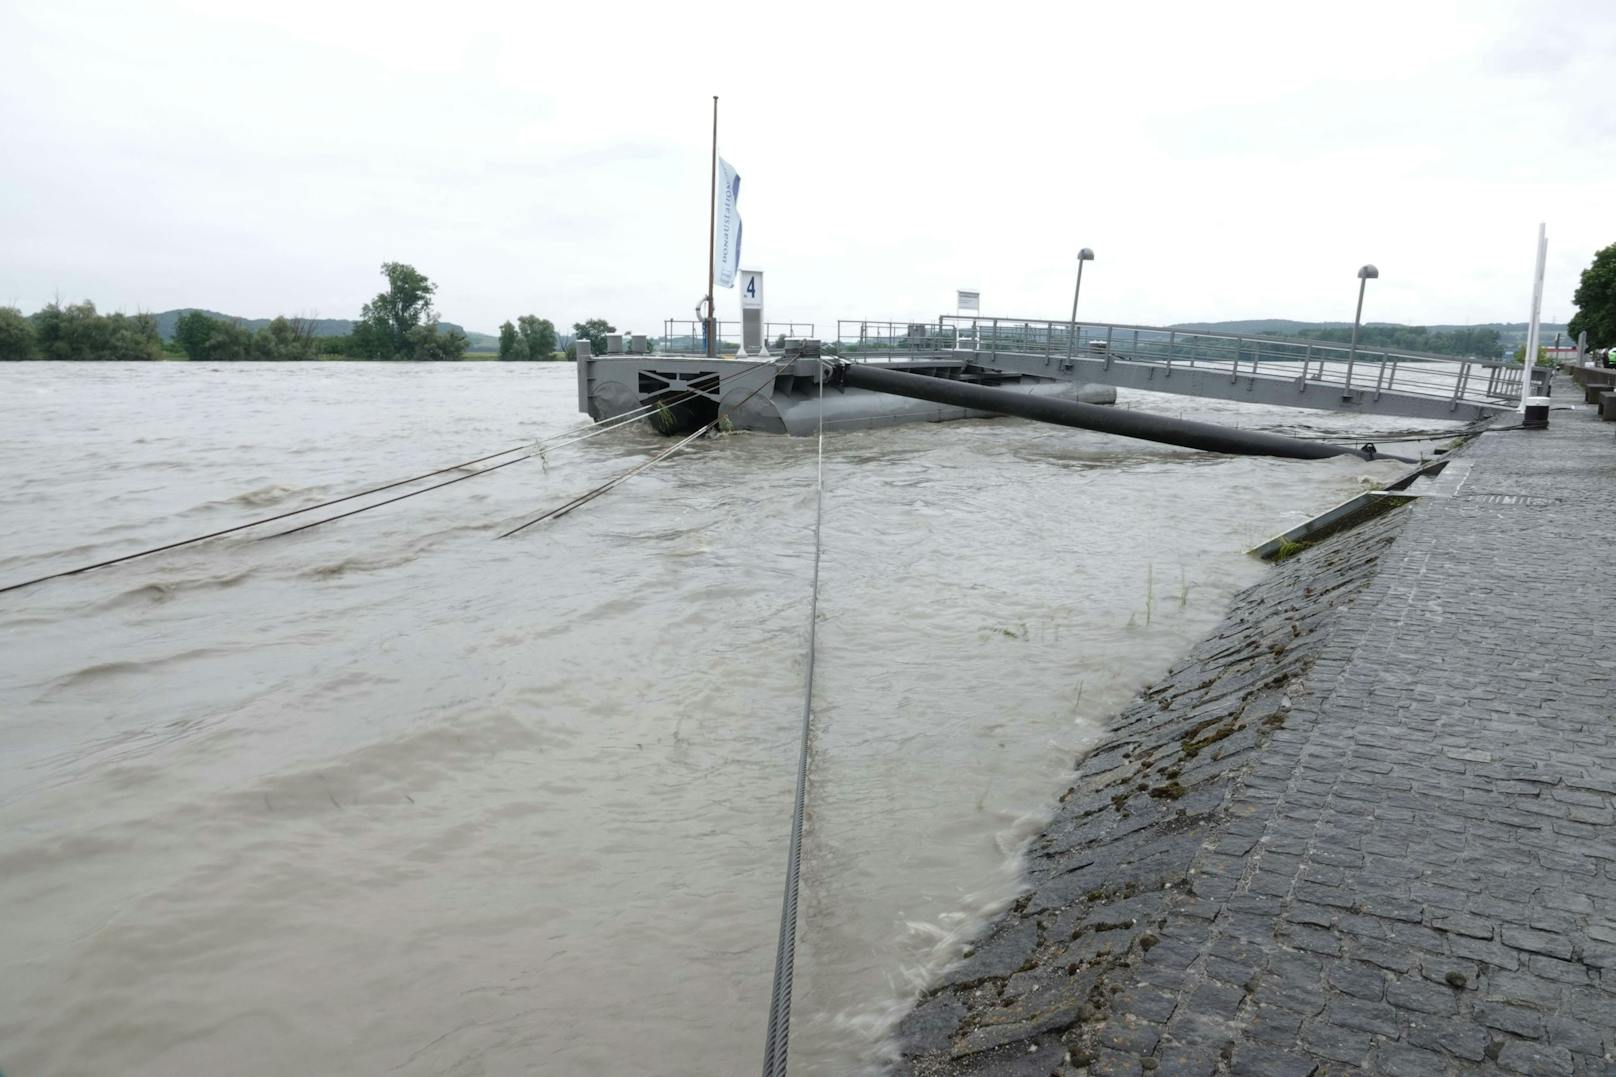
(712, 227)
(1529, 352)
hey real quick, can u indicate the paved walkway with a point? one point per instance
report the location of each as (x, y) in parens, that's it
(1410, 865)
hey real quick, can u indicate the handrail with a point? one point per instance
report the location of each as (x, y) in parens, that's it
(1181, 331)
(1371, 372)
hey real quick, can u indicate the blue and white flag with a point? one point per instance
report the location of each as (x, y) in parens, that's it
(726, 225)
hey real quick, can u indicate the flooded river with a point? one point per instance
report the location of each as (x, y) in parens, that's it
(396, 796)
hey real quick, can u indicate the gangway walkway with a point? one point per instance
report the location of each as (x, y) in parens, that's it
(1321, 375)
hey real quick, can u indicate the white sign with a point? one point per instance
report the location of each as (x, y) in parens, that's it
(751, 289)
(969, 301)
(726, 225)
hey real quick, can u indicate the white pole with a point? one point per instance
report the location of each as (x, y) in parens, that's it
(1529, 357)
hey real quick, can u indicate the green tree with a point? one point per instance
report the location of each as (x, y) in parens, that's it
(538, 336)
(594, 331)
(429, 343)
(132, 336)
(285, 339)
(1542, 355)
(1596, 301)
(16, 335)
(77, 333)
(227, 342)
(191, 333)
(507, 341)
(216, 340)
(386, 323)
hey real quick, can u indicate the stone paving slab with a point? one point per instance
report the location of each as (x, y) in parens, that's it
(1369, 826)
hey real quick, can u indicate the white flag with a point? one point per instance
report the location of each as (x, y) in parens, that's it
(726, 225)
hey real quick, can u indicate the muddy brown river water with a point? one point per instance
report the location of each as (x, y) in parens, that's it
(395, 796)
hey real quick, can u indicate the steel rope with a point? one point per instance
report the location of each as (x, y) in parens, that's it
(554, 441)
(779, 1034)
(610, 484)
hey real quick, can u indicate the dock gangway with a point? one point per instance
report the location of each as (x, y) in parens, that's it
(1282, 371)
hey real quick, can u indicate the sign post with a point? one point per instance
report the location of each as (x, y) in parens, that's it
(967, 301)
(751, 288)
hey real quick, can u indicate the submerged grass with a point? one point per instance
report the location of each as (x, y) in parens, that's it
(663, 421)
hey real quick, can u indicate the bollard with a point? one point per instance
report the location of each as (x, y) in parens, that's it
(1537, 413)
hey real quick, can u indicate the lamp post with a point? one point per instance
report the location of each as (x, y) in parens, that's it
(1084, 255)
(1365, 275)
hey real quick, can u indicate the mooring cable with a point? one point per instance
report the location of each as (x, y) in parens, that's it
(604, 427)
(785, 954)
(597, 491)
(256, 523)
(587, 431)
(612, 483)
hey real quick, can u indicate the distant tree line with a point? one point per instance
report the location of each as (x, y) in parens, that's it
(400, 323)
(77, 332)
(531, 337)
(204, 337)
(1479, 341)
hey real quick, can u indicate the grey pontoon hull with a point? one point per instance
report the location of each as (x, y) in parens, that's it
(784, 397)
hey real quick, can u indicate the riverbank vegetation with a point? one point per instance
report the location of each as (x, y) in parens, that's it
(530, 337)
(201, 336)
(77, 332)
(399, 324)
(1471, 341)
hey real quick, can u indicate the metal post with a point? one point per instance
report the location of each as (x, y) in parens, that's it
(712, 227)
(1380, 378)
(1172, 336)
(1084, 255)
(1365, 274)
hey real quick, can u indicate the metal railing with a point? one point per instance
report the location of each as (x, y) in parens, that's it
(684, 336)
(866, 338)
(1372, 370)
(1459, 379)
(687, 336)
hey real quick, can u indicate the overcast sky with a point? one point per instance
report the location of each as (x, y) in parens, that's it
(1223, 160)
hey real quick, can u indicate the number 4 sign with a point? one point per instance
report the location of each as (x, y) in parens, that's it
(751, 281)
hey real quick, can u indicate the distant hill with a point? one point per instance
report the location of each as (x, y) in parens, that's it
(1286, 327)
(1447, 339)
(323, 327)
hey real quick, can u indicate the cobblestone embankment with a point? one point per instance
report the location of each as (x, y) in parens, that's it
(1365, 827)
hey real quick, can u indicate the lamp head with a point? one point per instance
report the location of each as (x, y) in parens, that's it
(1368, 272)
(1085, 255)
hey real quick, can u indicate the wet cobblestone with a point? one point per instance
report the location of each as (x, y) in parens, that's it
(1364, 827)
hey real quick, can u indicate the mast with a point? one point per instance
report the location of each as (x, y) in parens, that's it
(712, 226)
(1529, 353)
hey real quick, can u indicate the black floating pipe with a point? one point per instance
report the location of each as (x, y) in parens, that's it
(1129, 424)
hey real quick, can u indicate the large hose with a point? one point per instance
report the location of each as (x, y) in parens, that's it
(1131, 424)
